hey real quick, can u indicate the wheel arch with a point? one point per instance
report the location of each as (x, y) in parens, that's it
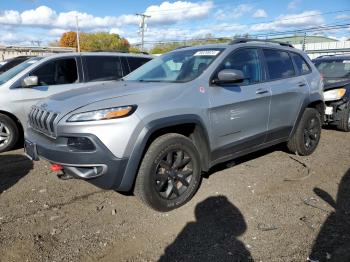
(188, 125)
(318, 104)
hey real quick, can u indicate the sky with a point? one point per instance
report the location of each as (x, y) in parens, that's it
(28, 22)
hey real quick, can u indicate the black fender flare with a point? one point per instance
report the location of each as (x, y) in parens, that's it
(136, 155)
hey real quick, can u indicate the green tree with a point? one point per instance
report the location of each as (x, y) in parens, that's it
(100, 41)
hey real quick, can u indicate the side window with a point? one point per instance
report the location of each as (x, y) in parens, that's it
(103, 68)
(59, 72)
(279, 64)
(136, 62)
(247, 61)
(302, 66)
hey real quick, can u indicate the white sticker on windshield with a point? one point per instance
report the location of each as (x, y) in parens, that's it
(32, 61)
(207, 53)
(346, 61)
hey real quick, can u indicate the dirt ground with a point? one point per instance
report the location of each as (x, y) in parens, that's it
(268, 206)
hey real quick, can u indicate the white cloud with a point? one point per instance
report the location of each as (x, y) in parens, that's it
(10, 17)
(42, 16)
(260, 13)
(168, 12)
(234, 13)
(342, 17)
(305, 19)
(293, 4)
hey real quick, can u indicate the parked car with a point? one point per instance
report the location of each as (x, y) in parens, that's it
(12, 62)
(179, 115)
(336, 75)
(37, 78)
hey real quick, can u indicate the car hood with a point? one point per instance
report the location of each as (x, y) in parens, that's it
(335, 83)
(101, 93)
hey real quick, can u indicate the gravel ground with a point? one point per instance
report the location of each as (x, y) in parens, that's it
(268, 206)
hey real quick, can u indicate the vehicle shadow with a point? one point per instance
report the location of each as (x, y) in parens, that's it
(333, 240)
(213, 236)
(12, 169)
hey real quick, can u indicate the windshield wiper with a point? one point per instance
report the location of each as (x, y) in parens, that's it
(143, 80)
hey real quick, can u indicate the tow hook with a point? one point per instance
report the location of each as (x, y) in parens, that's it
(60, 172)
(64, 176)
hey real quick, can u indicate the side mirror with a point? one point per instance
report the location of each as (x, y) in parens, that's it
(227, 76)
(30, 81)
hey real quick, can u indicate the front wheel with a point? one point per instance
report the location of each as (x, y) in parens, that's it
(8, 133)
(307, 135)
(169, 174)
(344, 121)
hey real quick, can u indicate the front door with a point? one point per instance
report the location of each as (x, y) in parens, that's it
(54, 77)
(239, 112)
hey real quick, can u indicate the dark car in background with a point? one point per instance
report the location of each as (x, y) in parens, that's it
(12, 62)
(335, 70)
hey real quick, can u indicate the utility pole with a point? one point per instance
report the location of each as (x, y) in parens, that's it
(142, 27)
(78, 37)
(304, 41)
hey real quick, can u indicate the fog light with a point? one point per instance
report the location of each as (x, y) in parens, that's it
(80, 143)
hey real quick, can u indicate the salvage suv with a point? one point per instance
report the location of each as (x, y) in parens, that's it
(157, 129)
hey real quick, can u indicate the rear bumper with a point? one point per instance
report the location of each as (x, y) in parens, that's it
(99, 166)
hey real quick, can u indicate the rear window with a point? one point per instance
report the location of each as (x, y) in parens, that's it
(302, 66)
(279, 64)
(136, 62)
(102, 68)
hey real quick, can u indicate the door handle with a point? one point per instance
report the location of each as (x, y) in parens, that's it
(301, 84)
(261, 91)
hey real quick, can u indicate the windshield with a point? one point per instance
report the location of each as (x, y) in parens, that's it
(334, 68)
(177, 66)
(17, 69)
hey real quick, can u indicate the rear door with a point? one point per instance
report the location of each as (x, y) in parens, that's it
(102, 68)
(136, 62)
(288, 91)
(239, 112)
(54, 76)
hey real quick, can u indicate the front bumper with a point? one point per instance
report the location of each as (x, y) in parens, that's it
(333, 109)
(99, 166)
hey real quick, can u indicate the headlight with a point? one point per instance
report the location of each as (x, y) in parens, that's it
(334, 94)
(103, 114)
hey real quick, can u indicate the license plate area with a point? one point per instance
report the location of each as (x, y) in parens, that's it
(30, 150)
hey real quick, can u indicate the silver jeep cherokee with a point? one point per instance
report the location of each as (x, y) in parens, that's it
(160, 127)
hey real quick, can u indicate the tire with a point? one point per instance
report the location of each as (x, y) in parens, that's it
(169, 174)
(307, 135)
(344, 121)
(8, 133)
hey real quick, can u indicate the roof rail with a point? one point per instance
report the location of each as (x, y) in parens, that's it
(183, 46)
(246, 40)
(117, 51)
(323, 56)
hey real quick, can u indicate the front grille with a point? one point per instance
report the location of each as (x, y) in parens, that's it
(42, 120)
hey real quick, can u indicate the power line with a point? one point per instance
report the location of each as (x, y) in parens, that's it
(311, 29)
(276, 20)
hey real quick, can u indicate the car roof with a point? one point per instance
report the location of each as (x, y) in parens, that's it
(258, 43)
(99, 54)
(332, 57)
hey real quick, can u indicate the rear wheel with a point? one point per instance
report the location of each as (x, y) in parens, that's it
(169, 174)
(344, 121)
(8, 133)
(307, 136)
